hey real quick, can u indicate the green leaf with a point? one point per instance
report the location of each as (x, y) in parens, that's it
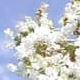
(24, 33)
(72, 76)
(30, 29)
(70, 48)
(71, 51)
(42, 70)
(27, 61)
(18, 40)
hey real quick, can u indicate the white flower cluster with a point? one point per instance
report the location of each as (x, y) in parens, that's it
(71, 18)
(42, 52)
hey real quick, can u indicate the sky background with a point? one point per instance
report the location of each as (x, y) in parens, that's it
(12, 11)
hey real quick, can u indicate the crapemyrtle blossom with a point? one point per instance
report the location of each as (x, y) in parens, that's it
(44, 53)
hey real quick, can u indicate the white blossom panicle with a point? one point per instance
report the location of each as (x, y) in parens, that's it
(45, 53)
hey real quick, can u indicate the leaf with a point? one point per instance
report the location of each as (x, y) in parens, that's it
(30, 29)
(18, 40)
(71, 50)
(24, 33)
(42, 70)
(27, 61)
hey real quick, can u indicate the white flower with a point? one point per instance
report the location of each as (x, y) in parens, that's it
(71, 16)
(52, 72)
(44, 5)
(12, 67)
(56, 46)
(9, 45)
(20, 56)
(25, 25)
(57, 37)
(68, 29)
(43, 30)
(8, 32)
(42, 77)
(33, 76)
(60, 78)
(77, 52)
(24, 51)
(77, 42)
(68, 7)
(36, 65)
(21, 48)
(45, 22)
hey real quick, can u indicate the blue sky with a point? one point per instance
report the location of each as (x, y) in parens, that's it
(12, 11)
